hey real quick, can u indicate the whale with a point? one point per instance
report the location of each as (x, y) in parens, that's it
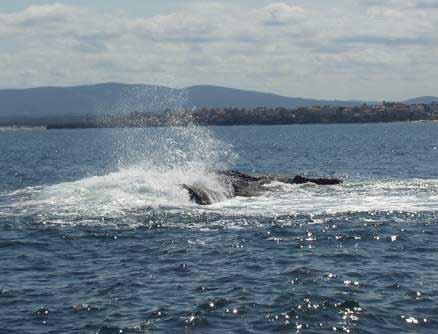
(245, 185)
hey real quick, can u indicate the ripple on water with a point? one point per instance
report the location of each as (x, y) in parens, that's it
(192, 273)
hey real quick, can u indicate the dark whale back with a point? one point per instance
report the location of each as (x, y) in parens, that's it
(321, 181)
(245, 185)
(203, 196)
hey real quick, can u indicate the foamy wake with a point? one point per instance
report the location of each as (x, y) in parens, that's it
(114, 194)
(137, 188)
(352, 196)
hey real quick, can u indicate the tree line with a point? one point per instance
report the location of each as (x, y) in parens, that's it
(386, 112)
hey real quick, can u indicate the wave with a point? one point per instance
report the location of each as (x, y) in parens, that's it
(140, 187)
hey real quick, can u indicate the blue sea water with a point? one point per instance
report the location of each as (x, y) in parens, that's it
(97, 236)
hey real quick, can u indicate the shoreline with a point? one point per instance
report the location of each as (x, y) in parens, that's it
(59, 127)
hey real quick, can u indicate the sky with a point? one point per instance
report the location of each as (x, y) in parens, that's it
(339, 49)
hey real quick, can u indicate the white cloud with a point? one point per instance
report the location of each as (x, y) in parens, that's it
(281, 13)
(347, 51)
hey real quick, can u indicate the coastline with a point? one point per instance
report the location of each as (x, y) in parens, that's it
(134, 126)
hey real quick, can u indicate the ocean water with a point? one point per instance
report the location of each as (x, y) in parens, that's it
(97, 235)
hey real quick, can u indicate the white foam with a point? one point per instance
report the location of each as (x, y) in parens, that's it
(128, 189)
(284, 199)
(136, 188)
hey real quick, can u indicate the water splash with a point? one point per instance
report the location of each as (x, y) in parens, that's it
(166, 158)
(180, 146)
(151, 164)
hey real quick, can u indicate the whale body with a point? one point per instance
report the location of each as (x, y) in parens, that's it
(245, 185)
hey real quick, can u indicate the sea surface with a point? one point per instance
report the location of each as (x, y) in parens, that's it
(98, 236)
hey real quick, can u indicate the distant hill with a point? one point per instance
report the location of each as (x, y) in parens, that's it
(422, 99)
(70, 103)
(66, 104)
(219, 97)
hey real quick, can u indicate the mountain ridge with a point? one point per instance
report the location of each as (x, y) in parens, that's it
(112, 98)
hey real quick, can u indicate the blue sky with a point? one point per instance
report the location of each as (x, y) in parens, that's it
(340, 49)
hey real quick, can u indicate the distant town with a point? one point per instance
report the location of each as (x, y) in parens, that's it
(384, 112)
